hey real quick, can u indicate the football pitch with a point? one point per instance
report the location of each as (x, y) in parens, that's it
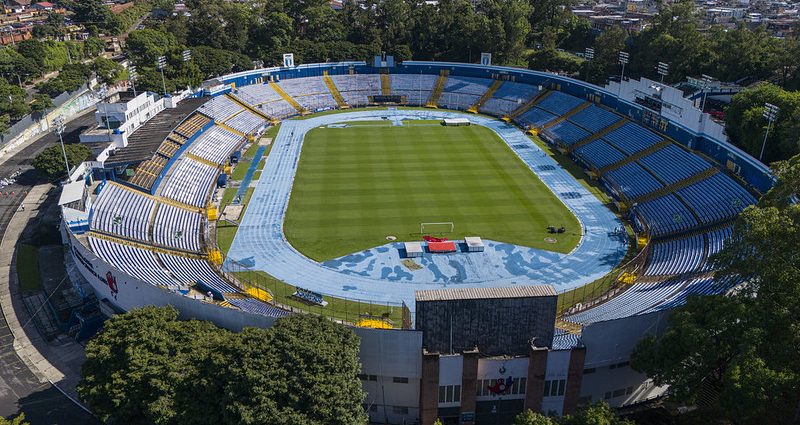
(357, 185)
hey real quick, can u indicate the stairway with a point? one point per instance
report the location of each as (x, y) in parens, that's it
(386, 85)
(630, 158)
(229, 128)
(527, 105)
(433, 99)
(486, 96)
(249, 107)
(572, 112)
(201, 160)
(285, 96)
(334, 91)
(595, 136)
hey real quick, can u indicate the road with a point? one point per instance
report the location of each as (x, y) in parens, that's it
(20, 390)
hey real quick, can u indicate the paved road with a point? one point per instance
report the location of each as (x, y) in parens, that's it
(20, 390)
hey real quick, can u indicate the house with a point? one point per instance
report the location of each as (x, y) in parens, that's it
(43, 6)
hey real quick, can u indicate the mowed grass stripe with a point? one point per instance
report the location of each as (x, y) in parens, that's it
(356, 185)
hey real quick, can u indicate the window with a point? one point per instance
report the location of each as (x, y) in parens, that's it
(629, 391)
(619, 392)
(373, 377)
(450, 394)
(400, 380)
(362, 377)
(555, 388)
(400, 410)
(589, 370)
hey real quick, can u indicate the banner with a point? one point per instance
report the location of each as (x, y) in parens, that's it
(486, 59)
(288, 60)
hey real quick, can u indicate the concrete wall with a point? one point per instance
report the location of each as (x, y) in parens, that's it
(608, 349)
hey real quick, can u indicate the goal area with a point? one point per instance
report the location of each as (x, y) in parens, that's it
(436, 228)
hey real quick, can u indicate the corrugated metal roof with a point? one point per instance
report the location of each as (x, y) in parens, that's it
(484, 293)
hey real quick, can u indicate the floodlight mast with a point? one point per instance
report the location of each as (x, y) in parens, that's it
(771, 114)
(59, 126)
(624, 58)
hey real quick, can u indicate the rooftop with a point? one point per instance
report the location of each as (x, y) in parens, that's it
(485, 293)
(144, 142)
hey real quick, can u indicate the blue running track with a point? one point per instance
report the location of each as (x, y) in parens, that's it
(377, 275)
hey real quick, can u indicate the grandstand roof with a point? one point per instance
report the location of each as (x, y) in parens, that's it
(485, 293)
(144, 142)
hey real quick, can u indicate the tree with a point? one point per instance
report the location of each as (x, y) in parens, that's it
(746, 125)
(13, 100)
(50, 161)
(19, 420)
(41, 102)
(739, 352)
(595, 414)
(528, 417)
(108, 71)
(93, 46)
(93, 13)
(147, 367)
(5, 124)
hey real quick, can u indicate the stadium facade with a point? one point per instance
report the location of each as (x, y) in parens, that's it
(468, 355)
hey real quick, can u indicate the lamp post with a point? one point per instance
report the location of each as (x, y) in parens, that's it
(589, 55)
(663, 70)
(771, 114)
(161, 63)
(624, 58)
(59, 126)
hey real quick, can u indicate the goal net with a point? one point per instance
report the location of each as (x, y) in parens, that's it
(437, 228)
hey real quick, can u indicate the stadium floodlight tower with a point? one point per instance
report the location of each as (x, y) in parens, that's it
(663, 70)
(161, 63)
(59, 126)
(771, 114)
(589, 55)
(624, 58)
(707, 79)
(132, 78)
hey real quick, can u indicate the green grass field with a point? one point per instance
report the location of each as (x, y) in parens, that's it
(356, 185)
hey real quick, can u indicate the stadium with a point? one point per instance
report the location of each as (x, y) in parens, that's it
(472, 223)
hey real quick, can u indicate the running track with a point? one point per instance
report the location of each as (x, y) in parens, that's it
(260, 243)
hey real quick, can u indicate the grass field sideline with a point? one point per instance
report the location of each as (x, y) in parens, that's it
(356, 185)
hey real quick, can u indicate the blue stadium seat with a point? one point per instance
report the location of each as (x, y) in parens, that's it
(716, 198)
(672, 164)
(567, 133)
(632, 180)
(666, 215)
(559, 103)
(631, 138)
(594, 118)
(599, 154)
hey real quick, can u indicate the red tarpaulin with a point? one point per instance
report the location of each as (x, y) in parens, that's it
(447, 246)
(432, 239)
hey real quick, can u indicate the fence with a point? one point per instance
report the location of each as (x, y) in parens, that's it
(605, 288)
(295, 299)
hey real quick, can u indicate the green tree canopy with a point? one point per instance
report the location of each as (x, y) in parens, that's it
(147, 367)
(50, 161)
(18, 420)
(746, 125)
(739, 353)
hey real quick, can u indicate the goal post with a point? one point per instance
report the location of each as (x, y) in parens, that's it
(436, 228)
